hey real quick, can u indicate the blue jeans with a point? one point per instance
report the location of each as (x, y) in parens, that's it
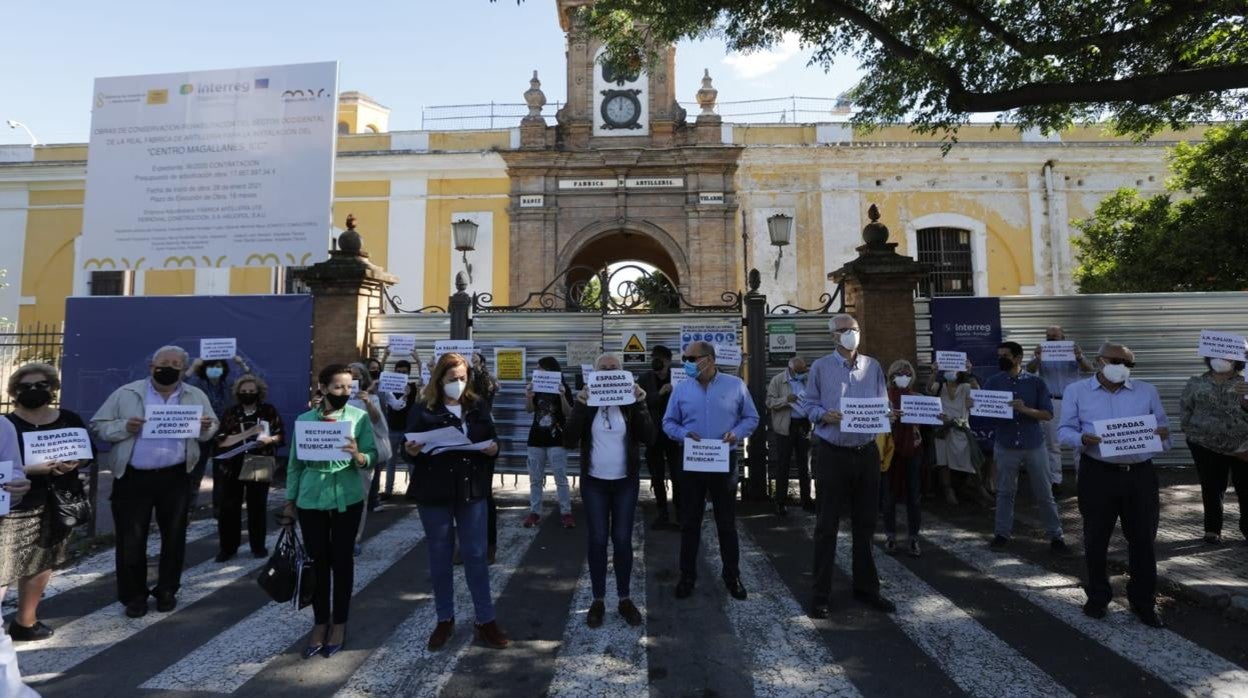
(557, 457)
(441, 522)
(914, 487)
(610, 506)
(1036, 461)
(396, 448)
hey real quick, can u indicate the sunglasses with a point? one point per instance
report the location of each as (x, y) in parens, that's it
(688, 358)
(1115, 361)
(41, 385)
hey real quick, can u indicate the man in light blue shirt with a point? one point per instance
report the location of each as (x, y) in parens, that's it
(1113, 487)
(847, 466)
(712, 406)
(1057, 375)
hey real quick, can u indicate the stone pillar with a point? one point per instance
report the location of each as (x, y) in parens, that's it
(460, 307)
(755, 488)
(343, 288)
(879, 293)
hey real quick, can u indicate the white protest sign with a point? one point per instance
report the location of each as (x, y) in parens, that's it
(401, 344)
(58, 445)
(425, 374)
(921, 409)
(950, 360)
(322, 441)
(6, 474)
(707, 455)
(728, 355)
(220, 348)
(172, 421)
(865, 415)
(219, 169)
(464, 347)
(717, 334)
(610, 388)
(547, 381)
(392, 382)
(1057, 350)
(1126, 435)
(1223, 345)
(355, 389)
(992, 403)
(678, 376)
(586, 369)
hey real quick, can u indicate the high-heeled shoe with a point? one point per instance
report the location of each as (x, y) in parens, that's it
(331, 650)
(314, 648)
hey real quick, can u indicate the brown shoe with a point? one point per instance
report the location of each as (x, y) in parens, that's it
(441, 633)
(492, 635)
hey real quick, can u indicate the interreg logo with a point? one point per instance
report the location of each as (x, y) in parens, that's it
(205, 88)
(186, 88)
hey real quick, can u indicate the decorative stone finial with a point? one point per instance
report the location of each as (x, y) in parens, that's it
(461, 282)
(754, 280)
(535, 98)
(350, 241)
(706, 96)
(875, 233)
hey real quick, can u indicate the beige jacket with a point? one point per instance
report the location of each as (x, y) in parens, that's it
(778, 392)
(109, 423)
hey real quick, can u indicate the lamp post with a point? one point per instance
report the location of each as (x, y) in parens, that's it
(464, 232)
(17, 124)
(780, 228)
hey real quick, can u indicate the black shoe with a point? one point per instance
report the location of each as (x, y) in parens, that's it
(820, 609)
(22, 633)
(330, 650)
(311, 650)
(597, 610)
(1094, 610)
(223, 556)
(259, 552)
(1058, 547)
(1213, 538)
(876, 601)
(1148, 616)
(781, 509)
(999, 542)
(736, 588)
(684, 588)
(137, 609)
(629, 611)
(166, 601)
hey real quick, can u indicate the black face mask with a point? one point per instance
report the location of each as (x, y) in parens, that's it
(34, 399)
(248, 398)
(336, 402)
(1005, 363)
(166, 375)
(374, 374)
(656, 364)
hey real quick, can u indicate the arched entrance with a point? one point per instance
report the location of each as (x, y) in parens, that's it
(600, 245)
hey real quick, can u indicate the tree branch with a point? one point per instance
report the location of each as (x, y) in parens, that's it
(1144, 89)
(939, 70)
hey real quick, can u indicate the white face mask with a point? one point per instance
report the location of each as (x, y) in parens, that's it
(1221, 365)
(454, 389)
(1115, 373)
(850, 339)
(902, 381)
(951, 376)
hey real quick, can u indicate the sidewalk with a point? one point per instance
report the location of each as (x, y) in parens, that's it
(1187, 567)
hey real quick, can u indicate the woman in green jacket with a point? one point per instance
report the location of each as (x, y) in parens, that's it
(328, 496)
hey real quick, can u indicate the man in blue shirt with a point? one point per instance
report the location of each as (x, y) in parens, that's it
(1057, 375)
(847, 465)
(1020, 444)
(1113, 487)
(712, 406)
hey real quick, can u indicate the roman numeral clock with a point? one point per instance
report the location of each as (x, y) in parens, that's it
(621, 101)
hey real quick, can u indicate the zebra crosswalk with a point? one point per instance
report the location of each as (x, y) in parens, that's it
(969, 621)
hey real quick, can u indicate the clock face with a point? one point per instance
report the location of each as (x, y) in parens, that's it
(621, 110)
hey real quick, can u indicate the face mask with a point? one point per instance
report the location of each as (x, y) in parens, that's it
(799, 377)
(1221, 365)
(1005, 363)
(454, 389)
(248, 398)
(691, 369)
(951, 376)
(850, 339)
(374, 374)
(902, 381)
(166, 375)
(656, 364)
(1115, 373)
(214, 372)
(336, 402)
(34, 399)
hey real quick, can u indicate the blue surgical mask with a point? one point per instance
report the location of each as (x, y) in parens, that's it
(214, 372)
(799, 377)
(691, 369)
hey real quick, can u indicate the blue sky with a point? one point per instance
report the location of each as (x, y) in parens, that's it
(405, 54)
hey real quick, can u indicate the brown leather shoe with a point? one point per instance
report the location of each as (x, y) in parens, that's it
(492, 635)
(441, 633)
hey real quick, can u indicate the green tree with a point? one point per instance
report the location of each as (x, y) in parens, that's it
(659, 294)
(1166, 243)
(1146, 64)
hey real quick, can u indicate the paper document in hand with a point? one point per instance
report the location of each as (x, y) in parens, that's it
(707, 456)
(56, 445)
(992, 403)
(1223, 345)
(1126, 435)
(921, 409)
(865, 415)
(950, 360)
(446, 436)
(611, 388)
(547, 381)
(1057, 350)
(221, 348)
(392, 382)
(172, 421)
(479, 446)
(322, 441)
(6, 474)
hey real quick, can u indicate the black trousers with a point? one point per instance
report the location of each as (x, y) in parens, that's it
(229, 522)
(1108, 493)
(136, 496)
(849, 482)
(795, 447)
(329, 536)
(1214, 469)
(663, 459)
(722, 488)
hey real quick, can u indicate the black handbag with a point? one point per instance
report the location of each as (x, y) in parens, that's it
(66, 507)
(288, 575)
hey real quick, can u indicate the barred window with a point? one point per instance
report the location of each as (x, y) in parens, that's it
(292, 280)
(948, 251)
(109, 283)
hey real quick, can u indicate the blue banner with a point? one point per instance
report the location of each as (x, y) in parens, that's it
(972, 325)
(109, 341)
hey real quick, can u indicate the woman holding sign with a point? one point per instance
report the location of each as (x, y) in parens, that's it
(611, 438)
(253, 425)
(904, 477)
(1214, 410)
(452, 480)
(325, 490)
(10, 463)
(31, 544)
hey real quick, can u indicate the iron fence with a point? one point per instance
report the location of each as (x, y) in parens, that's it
(39, 342)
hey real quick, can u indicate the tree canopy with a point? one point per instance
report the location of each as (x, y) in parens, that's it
(1197, 243)
(1144, 64)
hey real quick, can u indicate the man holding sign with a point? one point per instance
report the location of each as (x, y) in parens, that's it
(714, 406)
(152, 475)
(1116, 486)
(1019, 444)
(847, 466)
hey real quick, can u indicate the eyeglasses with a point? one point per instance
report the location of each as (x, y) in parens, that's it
(41, 385)
(1115, 361)
(606, 418)
(688, 358)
